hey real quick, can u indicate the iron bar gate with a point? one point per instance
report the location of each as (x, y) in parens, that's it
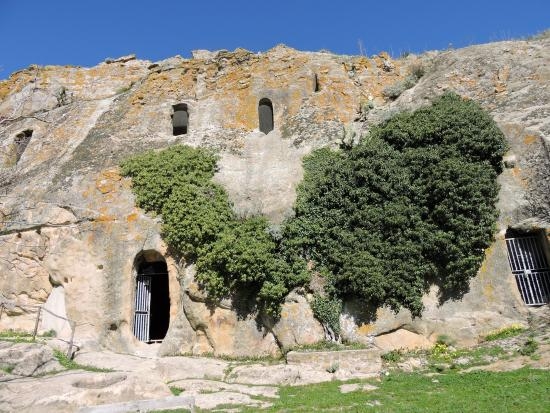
(142, 316)
(530, 267)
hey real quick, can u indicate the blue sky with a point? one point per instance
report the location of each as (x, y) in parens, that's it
(84, 33)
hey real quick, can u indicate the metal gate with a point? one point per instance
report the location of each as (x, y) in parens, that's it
(142, 316)
(530, 267)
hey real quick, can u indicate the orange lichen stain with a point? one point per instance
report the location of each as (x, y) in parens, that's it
(365, 329)
(363, 62)
(132, 217)
(500, 87)
(105, 218)
(17, 81)
(516, 171)
(107, 181)
(530, 139)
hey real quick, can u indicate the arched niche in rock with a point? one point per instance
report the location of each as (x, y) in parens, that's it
(265, 115)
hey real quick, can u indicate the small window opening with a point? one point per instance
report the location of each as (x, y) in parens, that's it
(180, 119)
(152, 302)
(265, 114)
(528, 258)
(22, 139)
(317, 88)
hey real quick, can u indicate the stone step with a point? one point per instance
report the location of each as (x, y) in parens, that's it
(364, 361)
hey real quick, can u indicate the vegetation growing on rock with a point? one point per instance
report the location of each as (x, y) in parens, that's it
(412, 204)
(232, 255)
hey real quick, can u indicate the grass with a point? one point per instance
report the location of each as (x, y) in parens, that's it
(516, 391)
(176, 391)
(70, 364)
(529, 347)
(238, 359)
(441, 355)
(7, 369)
(505, 332)
(16, 336)
(20, 336)
(329, 346)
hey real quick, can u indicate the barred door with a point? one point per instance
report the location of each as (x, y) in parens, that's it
(142, 316)
(530, 267)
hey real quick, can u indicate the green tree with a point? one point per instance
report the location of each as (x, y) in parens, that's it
(233, 257)
(413, 203)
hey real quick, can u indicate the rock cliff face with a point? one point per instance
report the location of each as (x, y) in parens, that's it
(72, 240)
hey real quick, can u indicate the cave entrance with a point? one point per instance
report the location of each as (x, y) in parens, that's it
(152, 302)
(265, 113)
(528, 257)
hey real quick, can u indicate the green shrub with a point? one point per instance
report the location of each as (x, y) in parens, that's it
(233, 256)
(176, 391)
(194, 216)
(244, 257)
(393, 356)
(417, 70)
(395, 90)
(529, 347)
(327, 310)
(155, 174)
(411, 205)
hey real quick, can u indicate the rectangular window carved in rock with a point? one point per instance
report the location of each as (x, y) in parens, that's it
(180, 119)
(21, 141)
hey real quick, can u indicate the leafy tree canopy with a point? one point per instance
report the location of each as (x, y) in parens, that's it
(232, 255)
(412, 204)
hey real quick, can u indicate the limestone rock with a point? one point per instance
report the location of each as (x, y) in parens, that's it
(68, 221)
(27, 359)
(211, 386)
(65, 393)
(224, 332)
(344, 364)
(297, 325)
(402, 339)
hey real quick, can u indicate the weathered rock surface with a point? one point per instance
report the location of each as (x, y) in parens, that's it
(71, 236)
(345, 364)
(65, 393)
(27, 359)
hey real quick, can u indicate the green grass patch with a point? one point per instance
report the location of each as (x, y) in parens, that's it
(393, 356)
(441, 355)
(520, 390)
(16, 336)
(529, 347)
(7, 369)
(70, 364)
(330, 346)
(20, 336)
(176, 391)
(505, 332)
